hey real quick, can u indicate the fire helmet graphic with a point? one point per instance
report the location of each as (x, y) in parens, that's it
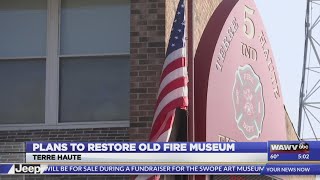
(248, 102)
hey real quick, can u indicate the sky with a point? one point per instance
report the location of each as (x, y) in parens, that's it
(284, 22)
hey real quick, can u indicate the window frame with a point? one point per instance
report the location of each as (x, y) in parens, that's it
(52, 80)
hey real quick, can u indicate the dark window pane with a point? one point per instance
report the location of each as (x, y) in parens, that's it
(23, 28)
(95, 26)
(94, 89)
(22, 91)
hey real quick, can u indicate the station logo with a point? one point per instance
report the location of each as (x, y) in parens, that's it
(248, 102)
(301, 147)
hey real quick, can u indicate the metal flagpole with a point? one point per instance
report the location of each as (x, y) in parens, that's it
(190, 123)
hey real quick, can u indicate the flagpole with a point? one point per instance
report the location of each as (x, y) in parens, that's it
(190, 71)
(190, 123)
(190, 55)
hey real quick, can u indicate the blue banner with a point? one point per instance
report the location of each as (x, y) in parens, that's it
(155, 169)
(28, 169)
(4, 168)
(146, 147)
(269, 169)
(291, 169)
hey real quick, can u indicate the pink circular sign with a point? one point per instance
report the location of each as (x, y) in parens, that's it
(237, 90)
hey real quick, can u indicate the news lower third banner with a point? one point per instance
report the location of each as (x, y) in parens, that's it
(176, 158)
(146, 152)
(266, 169)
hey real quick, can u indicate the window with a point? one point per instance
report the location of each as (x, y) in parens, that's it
(64, 64)
(89, 90)
(22, 61)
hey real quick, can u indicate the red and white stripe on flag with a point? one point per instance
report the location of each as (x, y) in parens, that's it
(173, 90)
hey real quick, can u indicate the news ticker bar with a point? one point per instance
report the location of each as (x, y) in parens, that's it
(267, 169)
(170, 152)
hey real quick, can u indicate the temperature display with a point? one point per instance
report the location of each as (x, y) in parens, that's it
(274, 156)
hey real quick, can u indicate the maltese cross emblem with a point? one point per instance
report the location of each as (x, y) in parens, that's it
(248, 102)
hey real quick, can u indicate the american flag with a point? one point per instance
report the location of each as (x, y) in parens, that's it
(173, 90)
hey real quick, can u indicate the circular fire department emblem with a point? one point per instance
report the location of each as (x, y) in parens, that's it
(248, 102)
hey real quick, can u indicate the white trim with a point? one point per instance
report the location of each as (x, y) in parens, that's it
(93, 55)
(102, 124)
(92, 122)
(22, 58)
(52, 64)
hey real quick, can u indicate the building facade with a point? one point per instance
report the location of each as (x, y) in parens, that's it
(77, 70)
(91, 72)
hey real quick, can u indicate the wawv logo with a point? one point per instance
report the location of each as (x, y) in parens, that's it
(296, 147)
(27, 168)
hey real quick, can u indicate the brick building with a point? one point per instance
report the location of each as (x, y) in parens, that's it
(74, 49)
(92, 67)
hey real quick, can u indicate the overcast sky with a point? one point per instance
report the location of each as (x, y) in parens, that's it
(284, 23)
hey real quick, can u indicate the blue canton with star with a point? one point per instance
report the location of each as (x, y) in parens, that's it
(177, 37)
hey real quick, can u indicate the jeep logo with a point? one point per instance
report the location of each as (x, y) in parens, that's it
(27, 168)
